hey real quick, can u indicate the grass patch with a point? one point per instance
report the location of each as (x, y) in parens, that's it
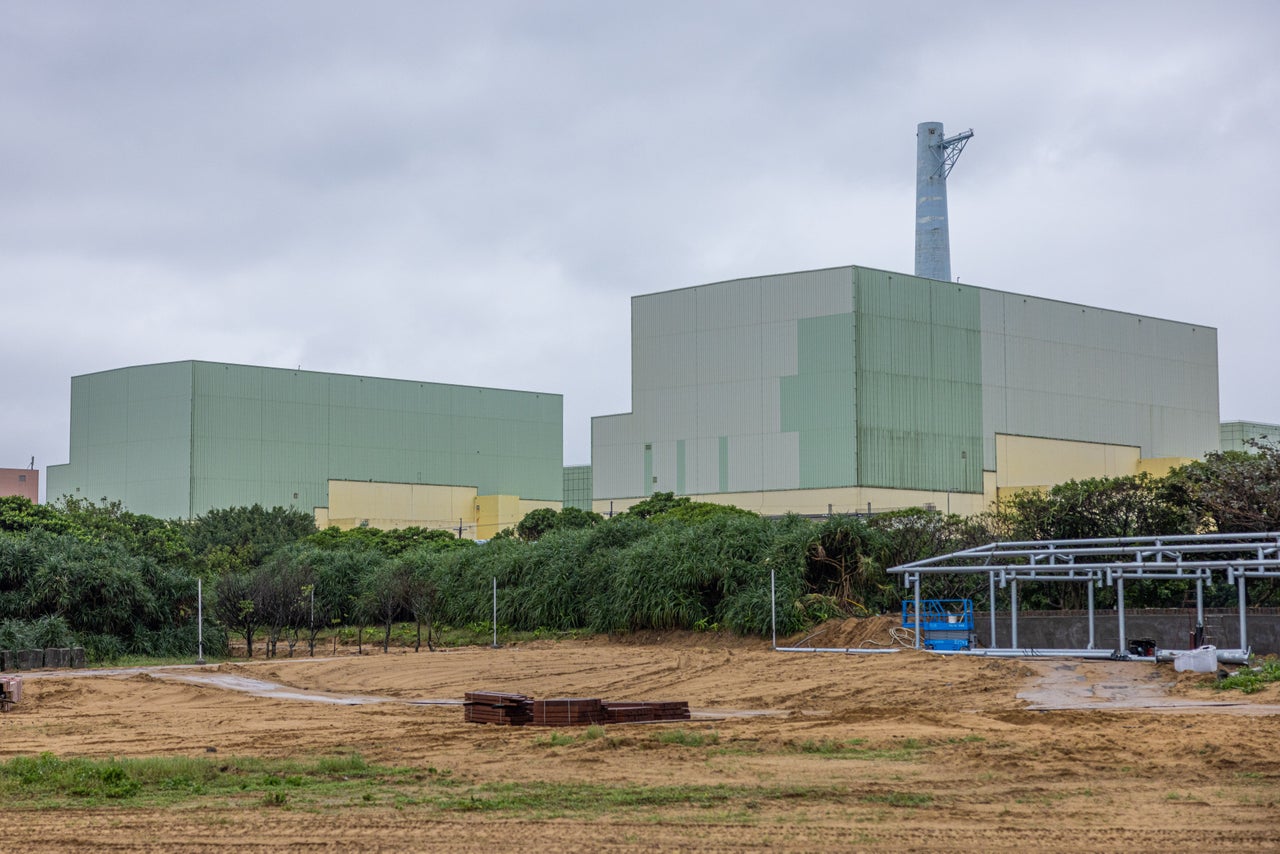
(559, 800)
(560, 738)
(1250, 680)
(556, 739)
(900, 799)
(857, 748)
(349, 782)
(687, 738)
(123, 661)
(47, 780)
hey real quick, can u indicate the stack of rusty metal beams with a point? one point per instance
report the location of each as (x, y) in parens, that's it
(567, 711)
(643, 712)
(496, 707)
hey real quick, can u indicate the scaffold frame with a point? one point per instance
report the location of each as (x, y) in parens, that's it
(1194, 558)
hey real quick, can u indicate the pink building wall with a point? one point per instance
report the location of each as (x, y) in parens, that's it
(24, 482)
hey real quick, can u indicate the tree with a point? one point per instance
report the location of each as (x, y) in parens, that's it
(97, 588)
(536, 523)
(236, 538)
(1132, 506)
(570, 518)
(390, 542)
(916, 534)
(657, 504)
(842, 562)
(1230, 491)
(233, 607)
(19, 515)
(387, 594)
(423, 594)
(108, 521)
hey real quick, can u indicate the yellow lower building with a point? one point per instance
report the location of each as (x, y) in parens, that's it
(357, 503)
(1022, 463)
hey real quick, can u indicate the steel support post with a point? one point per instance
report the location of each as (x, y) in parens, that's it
(1244, 642)
(1122, 644)
(919, 619)
(1091, 634)
(199, 621)
(773, 604)
(1013, 614)
(991, 586)
(1200, 603)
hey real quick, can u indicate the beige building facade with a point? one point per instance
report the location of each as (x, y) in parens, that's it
(355, 504)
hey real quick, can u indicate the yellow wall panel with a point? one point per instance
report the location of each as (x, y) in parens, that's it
(851, 499)
(1161, 466)
(1024, 461)
(401, 505)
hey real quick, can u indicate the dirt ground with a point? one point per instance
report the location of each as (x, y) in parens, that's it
(955, 753)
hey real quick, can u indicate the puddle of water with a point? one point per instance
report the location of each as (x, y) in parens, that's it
(1062, 688)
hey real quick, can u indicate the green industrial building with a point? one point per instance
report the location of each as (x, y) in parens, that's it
(1236, 435)
(176, 440)
(577, 487)
(853, 389)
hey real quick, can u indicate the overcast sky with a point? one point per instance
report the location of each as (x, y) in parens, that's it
(471, 192)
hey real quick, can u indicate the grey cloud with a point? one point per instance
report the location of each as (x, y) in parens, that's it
(380, 189)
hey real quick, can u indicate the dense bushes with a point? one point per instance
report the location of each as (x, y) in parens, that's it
(120, 583)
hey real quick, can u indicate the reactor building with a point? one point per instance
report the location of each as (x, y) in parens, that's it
(179, 439)
(852, 389)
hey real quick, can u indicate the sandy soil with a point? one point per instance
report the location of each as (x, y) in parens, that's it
(1121, 756)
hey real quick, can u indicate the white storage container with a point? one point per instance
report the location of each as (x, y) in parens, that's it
(1202, 660)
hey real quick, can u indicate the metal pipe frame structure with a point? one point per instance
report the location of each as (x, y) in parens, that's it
(1112, 561)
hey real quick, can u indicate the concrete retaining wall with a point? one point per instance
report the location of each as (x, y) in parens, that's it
(35, 659)
(1170, 629)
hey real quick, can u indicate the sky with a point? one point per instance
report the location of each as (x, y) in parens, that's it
(470, 193)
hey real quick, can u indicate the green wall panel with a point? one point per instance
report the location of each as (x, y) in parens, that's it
(680, 467)
(723, 462)
(820, 402)
(577, 487)
(179, 439)
(130, 439)
(919, 383)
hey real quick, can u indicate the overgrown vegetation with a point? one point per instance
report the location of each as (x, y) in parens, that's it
(1250, 680)
(123, 584)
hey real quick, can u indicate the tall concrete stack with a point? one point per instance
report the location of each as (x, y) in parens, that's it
(935, 155)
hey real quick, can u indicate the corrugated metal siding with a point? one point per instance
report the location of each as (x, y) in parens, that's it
(1076, 372)
(919, 392)
(179, 439)
(709, 363)
(820, 402)
(577, 487)
(681, 486)
(1234, 435)
(939, 369)
(130, 439)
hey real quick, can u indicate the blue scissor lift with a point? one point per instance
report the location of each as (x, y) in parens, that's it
(943, 623)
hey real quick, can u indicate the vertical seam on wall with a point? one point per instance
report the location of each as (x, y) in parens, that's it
(191, 441)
